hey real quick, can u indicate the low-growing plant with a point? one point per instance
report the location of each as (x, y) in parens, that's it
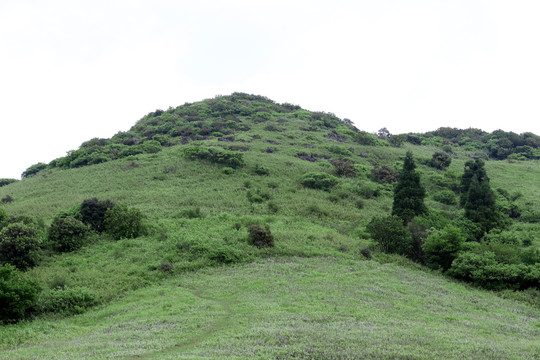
(123, 222)
(17, 294)
(259, 236)
(66, 301)
(384, 174)
(440, 160)
(442, 247)
(19, 245)
(67, 234)
(319, 180)
(391, 235)
(344, 168)
(261, 170)
(447, 197)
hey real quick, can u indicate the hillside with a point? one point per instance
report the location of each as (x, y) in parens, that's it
(192, 286)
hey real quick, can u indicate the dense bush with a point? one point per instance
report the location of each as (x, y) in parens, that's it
(384, 174)
(93, 212)
(4, 182)
(442, 247)
(391, 235)
(447, 197)
(152, 146)
(344, 168)
(67, 234)
(261, 170)
(123, 222)
(218, 156)
(17, 294)
(440, 160)
(19, 245)
(66, 301)
(319, 180)
(34, 169)
(484, 270)
(259, 236)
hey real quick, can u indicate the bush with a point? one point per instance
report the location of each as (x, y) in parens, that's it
(440, 160)
(34, 169)
(391, 235)
(67, 234)
(259, 236)
(344, 168)
(227, 158)
(319, 180)
(442, 247)
(67, 301)
(122, 222)
(261, 170)
(152, 146)
(17, 294)
(4, 182)
(93, 212)
(384, 174)
(447, 197)
(19, 245)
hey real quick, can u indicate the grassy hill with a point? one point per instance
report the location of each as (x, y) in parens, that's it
(193, 286)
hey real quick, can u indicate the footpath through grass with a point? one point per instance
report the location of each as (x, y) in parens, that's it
(291, 307)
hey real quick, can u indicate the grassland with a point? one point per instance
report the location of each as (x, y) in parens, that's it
(193, 287)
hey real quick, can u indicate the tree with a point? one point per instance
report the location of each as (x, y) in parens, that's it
(477, 198)
(409, 193)
(17, 294)
(19, 245)
(391, 235)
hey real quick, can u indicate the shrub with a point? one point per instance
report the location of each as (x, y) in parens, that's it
(17, 294)
(4, 182)
(261, 170)
(192, 213)
(344, 168)
(259, 236)
(93, 212)
(366, 253)
(446, 197)
(228, 170)
(384, 174)
(391, 235)
(34, 169)
(66, 301)
(152, 146)
(440, 160)
(123, 222)
(227, 158)
(7, 199)
(319, 180)
(67, 234)
(442, 247)
(19, 245)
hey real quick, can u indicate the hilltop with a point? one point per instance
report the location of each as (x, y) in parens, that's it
(193, 286)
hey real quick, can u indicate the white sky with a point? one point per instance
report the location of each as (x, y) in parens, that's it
(72, 70)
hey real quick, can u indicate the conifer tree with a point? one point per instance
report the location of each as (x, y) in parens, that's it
(409, 193)
(477, 198)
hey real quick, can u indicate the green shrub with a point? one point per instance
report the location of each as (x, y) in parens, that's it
(67, 234)
(4, 182)
(19, 245)
(447, 197)
(384, 174)
(66, 301)
(261, 170)
(93, 212)
(319, 180)
(17, 294)
(218, 156)
(391, 235)
(440, 160)
(123, 222)
(34, 169)
(192, 213)
(344, 168)
(442, 247)
(228, 170)
(152, 146)
(259, 236)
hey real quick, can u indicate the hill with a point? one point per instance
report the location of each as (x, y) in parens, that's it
(192, 286)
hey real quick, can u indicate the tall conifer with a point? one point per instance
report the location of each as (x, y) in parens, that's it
(409, 193)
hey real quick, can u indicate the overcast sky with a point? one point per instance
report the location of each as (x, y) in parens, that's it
(73, 70)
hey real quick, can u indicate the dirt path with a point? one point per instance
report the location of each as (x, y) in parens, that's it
(220, 324)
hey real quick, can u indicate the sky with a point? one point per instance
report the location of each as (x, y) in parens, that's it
(73, 70)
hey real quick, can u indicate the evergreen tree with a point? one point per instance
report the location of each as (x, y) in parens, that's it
(477, 198)
(409, 193)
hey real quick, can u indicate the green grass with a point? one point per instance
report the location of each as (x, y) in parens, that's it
(323, 307)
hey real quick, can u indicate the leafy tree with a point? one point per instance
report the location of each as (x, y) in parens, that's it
(442, 247)
(409, 193)
(93, 212)
(391, 234)
(67, 234)
(34, 169)
(17, 294)
(440, 160)
(123, 222)
(19, 245)
(477, 198)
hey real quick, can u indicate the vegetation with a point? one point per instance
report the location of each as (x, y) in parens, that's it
(165, 243)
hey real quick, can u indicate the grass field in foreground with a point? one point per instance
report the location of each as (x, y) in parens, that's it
(281, 308)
